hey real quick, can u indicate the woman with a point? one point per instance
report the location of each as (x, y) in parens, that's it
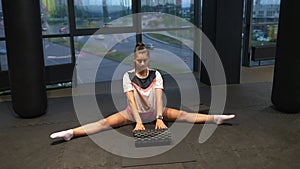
(143, 87)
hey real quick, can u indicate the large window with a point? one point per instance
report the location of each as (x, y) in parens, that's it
(54, 16)
(3, 56)
(168, 26)
(1, 23)
(55, 28)
(171, 49)
(58, 57)
(265, 22)
(101, 13)
(85, 30)
(180, 8)
(105, 57)
(57, 51)
(164, 31)
(260, 32)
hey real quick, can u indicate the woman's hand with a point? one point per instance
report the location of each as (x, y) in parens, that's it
(160, 124)
(139, 126)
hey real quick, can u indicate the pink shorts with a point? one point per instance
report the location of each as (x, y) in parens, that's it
(144, 116)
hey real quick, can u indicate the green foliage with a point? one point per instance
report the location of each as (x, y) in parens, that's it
(62, 41)
(165, 38)
(186, 34)
(55, 9)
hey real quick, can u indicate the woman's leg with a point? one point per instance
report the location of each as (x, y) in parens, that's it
(115, 120)
(174, 114)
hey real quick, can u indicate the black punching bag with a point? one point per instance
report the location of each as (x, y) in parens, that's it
(286, 82)
(22, 20)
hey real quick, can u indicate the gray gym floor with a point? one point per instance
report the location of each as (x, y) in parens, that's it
(259, 137)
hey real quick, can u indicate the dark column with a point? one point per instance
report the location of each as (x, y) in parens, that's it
(286, 83)
(23, 33)
(222, 24)
(247, 33)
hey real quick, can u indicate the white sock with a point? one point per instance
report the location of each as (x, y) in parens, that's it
(66, 135)
(218, 119)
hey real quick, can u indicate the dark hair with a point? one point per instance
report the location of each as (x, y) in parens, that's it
(139, 46)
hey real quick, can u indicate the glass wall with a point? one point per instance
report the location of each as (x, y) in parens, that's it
(1, 22)
(75, 30)
(58, 58)
(104, 58)
(3, 56)
(54, 16)
(55, 28)
(260, 29)
(265, 18)
(179, 8)
(164, 35)
(168, 26)
(171, 49)
(57, 51)
(101, 13)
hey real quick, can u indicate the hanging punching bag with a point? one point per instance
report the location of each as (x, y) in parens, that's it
(286, 82)
(22, 20)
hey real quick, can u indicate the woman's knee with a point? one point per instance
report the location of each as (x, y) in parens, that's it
(114, 120)
(103, 123)
(182, 115)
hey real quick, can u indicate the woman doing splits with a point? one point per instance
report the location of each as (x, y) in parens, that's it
(143, 87)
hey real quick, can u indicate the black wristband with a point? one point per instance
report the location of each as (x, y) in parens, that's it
(159, 117)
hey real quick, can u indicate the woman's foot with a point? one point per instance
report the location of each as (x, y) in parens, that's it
(66, 135)
(218, 119)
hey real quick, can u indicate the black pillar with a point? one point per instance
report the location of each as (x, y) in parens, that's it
(23, 34)
(286, 82)
(247, 33)
(222, 24)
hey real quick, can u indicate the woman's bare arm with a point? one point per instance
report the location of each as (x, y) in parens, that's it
(159, 109)
(133, 107)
